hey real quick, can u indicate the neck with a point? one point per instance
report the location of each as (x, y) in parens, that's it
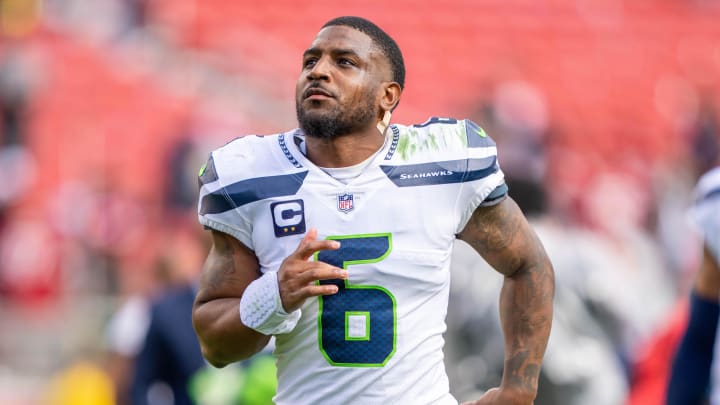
(344, 151)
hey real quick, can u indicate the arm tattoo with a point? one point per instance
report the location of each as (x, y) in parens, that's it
(522, 371)
(507, 242)
(229, 268)
(220, 265)
(496, 233)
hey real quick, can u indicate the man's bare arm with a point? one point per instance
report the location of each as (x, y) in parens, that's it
(503, 237)
(230, 267)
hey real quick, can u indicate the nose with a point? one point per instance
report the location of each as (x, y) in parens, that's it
(320, 70)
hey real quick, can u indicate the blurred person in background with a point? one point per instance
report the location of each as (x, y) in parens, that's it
(28, 280)
(583, 364)
(690, 380)
(169, 352)
(152, 348)
(682, 244)
(325, 191)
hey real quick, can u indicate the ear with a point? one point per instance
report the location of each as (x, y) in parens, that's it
(391, 96)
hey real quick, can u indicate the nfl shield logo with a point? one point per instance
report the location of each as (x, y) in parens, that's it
(345, 202)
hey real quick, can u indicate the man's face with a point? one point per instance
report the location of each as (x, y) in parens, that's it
(339, 89)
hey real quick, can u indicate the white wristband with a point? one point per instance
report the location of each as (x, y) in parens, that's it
(261, 308)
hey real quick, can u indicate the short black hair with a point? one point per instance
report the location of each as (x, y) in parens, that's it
(387, 45)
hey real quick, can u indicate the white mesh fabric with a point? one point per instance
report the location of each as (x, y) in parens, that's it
(261, 308)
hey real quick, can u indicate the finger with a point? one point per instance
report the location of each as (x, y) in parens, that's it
(311, 235)
(322, 271)
(292, 299)
(309, 245)
(314, 290)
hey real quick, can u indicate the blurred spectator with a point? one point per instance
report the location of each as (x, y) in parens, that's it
(181, 185)
(16, 84)
(125, 335)
(612, 290)
(516, 115)
(683, 249)
(19, 76)
(631, 286)
(691, 370)
(107, 238)
(170, 368)
(29, 279)
(26, 278)
(170, 352)
(582, 363)
(151, 335)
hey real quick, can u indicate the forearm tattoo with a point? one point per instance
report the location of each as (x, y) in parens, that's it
(522, 371)
(503, 237)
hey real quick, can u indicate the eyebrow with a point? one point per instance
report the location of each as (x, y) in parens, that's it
(334, 52)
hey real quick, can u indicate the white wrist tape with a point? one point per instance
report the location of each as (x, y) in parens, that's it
(261, 308)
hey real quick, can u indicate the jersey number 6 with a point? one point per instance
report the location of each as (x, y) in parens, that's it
(357, 325)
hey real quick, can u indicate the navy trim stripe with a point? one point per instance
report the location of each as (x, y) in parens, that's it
(500, 191)
(436, 120)
(394, 144)
(446, 172)
(248, 191)
(286, 151)
(497, 195)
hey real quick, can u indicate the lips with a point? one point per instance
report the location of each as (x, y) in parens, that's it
(316, 91)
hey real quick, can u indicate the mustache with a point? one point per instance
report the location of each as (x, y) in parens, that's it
(316, 89)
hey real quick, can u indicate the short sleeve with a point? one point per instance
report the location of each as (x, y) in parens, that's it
(484, 181)
(216, 210)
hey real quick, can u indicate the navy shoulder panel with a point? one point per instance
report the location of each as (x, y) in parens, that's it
(208, 174)
(476, 136)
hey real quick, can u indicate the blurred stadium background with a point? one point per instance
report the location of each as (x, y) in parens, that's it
(605, 112)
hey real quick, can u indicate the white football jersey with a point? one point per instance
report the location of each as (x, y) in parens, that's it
(706, 210)
(379, 339)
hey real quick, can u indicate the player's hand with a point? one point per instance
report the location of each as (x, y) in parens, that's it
(498, 396)
(297, 275)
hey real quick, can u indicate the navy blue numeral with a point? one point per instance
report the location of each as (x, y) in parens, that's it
(357, 325)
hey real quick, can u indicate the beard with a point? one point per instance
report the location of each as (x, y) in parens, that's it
(336, 122)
